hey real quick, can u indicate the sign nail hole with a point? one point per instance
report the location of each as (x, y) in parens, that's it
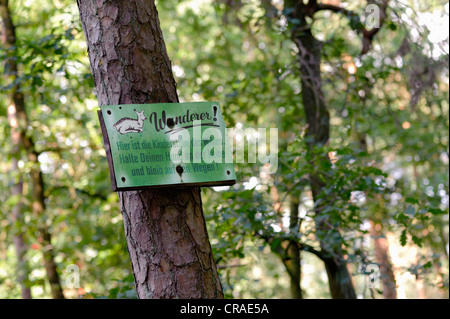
(170, 123)
(123, 179)
(109, 112)
(228, 173)
(180, 170)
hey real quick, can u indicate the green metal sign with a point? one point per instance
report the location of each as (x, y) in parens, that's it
(167, 144)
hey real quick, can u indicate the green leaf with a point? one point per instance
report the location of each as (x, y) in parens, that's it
(403, 238)
(411, 200)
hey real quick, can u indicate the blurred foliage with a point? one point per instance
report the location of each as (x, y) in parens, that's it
(388, 149)
(82, 213)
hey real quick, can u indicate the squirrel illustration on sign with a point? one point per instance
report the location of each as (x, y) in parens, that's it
(129, 125)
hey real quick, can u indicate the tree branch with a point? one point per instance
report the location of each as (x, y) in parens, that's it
(320, 254)
(230, 266)
(279, 250)
(335, 9)
(368, 35)
(51, 189)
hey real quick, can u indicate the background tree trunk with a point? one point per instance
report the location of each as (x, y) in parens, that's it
(382, 256)
(19, 242)
(19, 122)
(317, 135)
(165, 229)
(381, 243)
(8, 40)
(293, 261)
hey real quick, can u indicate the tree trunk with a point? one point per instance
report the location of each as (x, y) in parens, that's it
(383, 260)
(19, 122)
(165, 229)
(317, 135)
(380, 241)
(8, 40)
(293, 258)
(19, 242)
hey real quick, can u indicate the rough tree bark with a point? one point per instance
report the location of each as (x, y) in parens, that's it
(19, 122)
(165, 229)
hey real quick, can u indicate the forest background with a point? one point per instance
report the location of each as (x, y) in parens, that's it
(384, 190)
